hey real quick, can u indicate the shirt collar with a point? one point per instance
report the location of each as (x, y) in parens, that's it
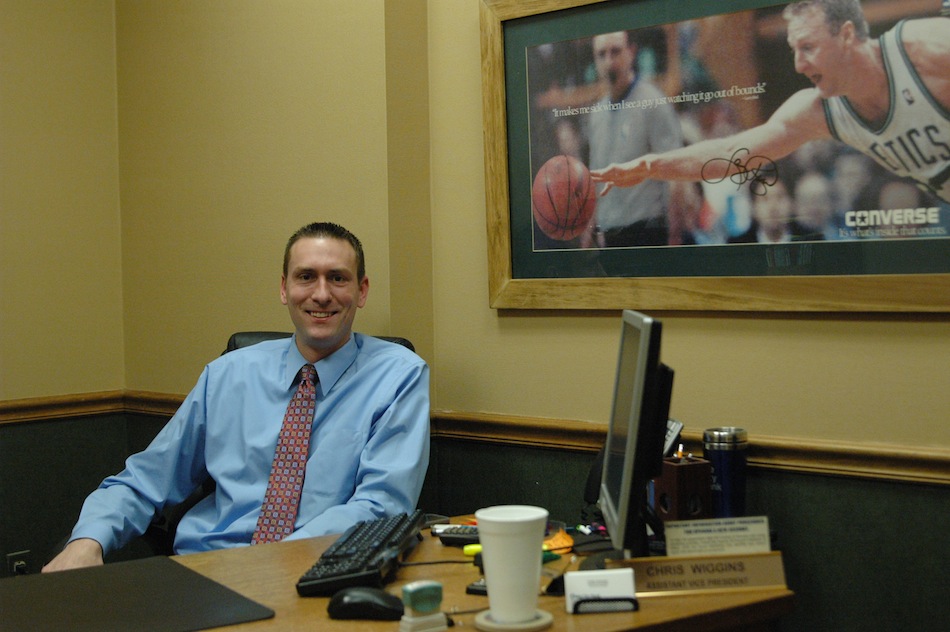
(329, 369)
(633, 84)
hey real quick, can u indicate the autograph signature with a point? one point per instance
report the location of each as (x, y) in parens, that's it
(759, 171)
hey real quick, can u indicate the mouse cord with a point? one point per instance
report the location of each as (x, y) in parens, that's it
(431, 563)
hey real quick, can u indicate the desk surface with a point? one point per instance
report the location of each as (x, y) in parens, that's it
(267, 573)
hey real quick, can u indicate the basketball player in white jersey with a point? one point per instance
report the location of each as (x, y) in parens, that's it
(888, 98)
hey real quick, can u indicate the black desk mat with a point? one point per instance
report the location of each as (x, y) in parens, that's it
(151, 594)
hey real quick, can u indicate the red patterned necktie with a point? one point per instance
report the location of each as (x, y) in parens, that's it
(279, 511)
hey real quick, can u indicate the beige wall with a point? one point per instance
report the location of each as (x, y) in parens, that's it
(238, 123)
(61, 315)
(237, 126)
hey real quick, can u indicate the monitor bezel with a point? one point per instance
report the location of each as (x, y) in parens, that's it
(622, 508)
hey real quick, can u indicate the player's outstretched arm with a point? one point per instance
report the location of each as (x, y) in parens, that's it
(798, 120)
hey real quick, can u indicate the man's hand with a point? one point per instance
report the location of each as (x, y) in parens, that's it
(77, 554)
(624, 174)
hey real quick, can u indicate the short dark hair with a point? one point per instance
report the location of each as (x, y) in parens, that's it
(328, 229)
(837, 12)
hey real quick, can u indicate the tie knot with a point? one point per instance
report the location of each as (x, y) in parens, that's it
(308, 372)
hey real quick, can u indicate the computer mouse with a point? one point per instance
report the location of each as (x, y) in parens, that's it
(364, 602)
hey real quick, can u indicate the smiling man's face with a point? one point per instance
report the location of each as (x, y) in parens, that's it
(322, 291)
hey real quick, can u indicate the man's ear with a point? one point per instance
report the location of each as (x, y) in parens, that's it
(847, 32)
(283, 289)
(364, 292)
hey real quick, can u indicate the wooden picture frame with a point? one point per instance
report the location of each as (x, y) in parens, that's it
(925, 291)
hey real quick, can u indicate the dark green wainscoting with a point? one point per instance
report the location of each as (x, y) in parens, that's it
(860, 554)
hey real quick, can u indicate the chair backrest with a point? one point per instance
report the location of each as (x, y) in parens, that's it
(247, 338)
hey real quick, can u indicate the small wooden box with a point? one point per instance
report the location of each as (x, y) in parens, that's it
(684, 490)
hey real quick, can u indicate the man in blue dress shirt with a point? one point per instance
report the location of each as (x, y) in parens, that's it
(369, 444)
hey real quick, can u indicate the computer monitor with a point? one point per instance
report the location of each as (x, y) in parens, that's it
(633, 453)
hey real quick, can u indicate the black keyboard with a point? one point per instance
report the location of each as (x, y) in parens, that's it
(368, 554)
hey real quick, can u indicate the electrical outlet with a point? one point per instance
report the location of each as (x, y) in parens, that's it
(19, 563)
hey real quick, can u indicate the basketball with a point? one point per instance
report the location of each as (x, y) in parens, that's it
(563, 198)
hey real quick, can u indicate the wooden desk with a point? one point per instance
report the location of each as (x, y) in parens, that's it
(268, 573)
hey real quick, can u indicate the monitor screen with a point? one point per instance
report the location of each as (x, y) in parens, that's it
(633, 452)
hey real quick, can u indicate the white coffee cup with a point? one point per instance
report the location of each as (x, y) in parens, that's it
(511, 537)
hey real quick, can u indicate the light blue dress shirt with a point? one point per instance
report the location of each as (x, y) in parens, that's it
(369, 447)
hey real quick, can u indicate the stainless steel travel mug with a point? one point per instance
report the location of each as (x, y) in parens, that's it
(726, 448)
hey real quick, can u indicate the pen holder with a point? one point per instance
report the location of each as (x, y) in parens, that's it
(683, 490)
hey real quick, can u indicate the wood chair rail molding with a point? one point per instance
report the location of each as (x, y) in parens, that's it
(809, 456)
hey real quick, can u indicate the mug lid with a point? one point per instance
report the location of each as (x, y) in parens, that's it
(725, 434)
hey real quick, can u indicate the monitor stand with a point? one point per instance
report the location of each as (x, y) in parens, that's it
(641, 546)
(598, 561)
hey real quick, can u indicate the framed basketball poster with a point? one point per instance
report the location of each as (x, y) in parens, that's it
(737, 155)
